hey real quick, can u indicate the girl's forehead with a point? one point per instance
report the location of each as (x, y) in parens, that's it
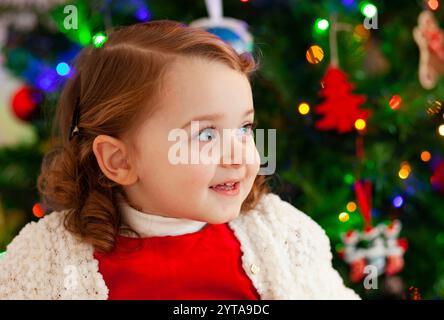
(199, 87)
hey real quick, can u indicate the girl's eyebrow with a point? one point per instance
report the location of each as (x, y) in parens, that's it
(214, 116)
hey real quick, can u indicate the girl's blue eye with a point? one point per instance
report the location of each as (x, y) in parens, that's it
(207, 134)
(246, 129)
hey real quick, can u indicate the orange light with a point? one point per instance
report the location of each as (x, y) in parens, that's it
(395, 102)
(404, 174)
(425, 156)
(314, 54)
(405, 165)
(405, 170)
(351, 206)
(433, 4)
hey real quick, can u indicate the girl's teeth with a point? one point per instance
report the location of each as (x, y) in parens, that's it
(225, 186)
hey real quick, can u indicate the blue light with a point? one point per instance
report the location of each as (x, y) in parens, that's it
(398, 201)
(348, 3)
(47, 80)
(142, 14)
(63, 69)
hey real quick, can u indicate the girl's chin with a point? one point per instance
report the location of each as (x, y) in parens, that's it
(223, 218)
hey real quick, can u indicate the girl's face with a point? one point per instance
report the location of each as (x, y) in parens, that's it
(219, 98)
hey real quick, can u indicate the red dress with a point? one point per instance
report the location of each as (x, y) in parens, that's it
(201, 265)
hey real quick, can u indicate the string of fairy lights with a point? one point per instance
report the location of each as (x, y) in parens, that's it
(315, 55)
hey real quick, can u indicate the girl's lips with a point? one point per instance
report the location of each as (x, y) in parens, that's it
(229, 192)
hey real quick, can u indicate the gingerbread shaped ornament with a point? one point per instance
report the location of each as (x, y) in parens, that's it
(430, 40)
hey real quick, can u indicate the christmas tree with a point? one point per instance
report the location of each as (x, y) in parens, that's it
(353, 88)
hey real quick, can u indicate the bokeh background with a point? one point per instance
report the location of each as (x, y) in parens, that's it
(354, 96)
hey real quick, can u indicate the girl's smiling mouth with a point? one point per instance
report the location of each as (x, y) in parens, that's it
(229, 188)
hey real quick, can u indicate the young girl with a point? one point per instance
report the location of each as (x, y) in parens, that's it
(129, 223)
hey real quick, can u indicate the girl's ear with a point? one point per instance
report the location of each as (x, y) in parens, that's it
(112, 157)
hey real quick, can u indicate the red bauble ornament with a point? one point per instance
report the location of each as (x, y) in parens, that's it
(38, 211)
(341, 107)
(25, 103)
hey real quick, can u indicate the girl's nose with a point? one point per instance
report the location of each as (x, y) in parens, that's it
(232, 151)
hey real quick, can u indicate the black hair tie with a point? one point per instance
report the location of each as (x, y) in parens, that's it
(75, 120)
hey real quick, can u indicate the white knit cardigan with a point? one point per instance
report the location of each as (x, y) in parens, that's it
(285, 254)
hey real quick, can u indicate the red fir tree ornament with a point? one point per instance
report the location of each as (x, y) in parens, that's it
(341, 107)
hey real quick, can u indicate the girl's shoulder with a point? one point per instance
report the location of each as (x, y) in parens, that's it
(45, 261)
(282, 218)
(286, 253)
(50, 222)
(48, 233)
(36, 235)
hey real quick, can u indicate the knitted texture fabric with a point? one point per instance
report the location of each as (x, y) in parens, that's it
(286, 254)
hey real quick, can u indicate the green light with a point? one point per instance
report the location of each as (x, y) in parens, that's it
(99, 39)
(367, 9)
(321, 24)
(2, 253)
(84, 36)
(349, 179)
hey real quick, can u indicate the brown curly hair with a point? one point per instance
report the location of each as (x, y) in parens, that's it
(111, 83)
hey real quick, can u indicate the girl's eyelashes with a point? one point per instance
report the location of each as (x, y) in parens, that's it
(209, 133)
(247, 129)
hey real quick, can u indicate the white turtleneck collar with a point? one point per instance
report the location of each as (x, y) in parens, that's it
(152, 225)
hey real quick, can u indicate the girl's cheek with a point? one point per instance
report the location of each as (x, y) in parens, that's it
(253, 158)
(197, 175)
